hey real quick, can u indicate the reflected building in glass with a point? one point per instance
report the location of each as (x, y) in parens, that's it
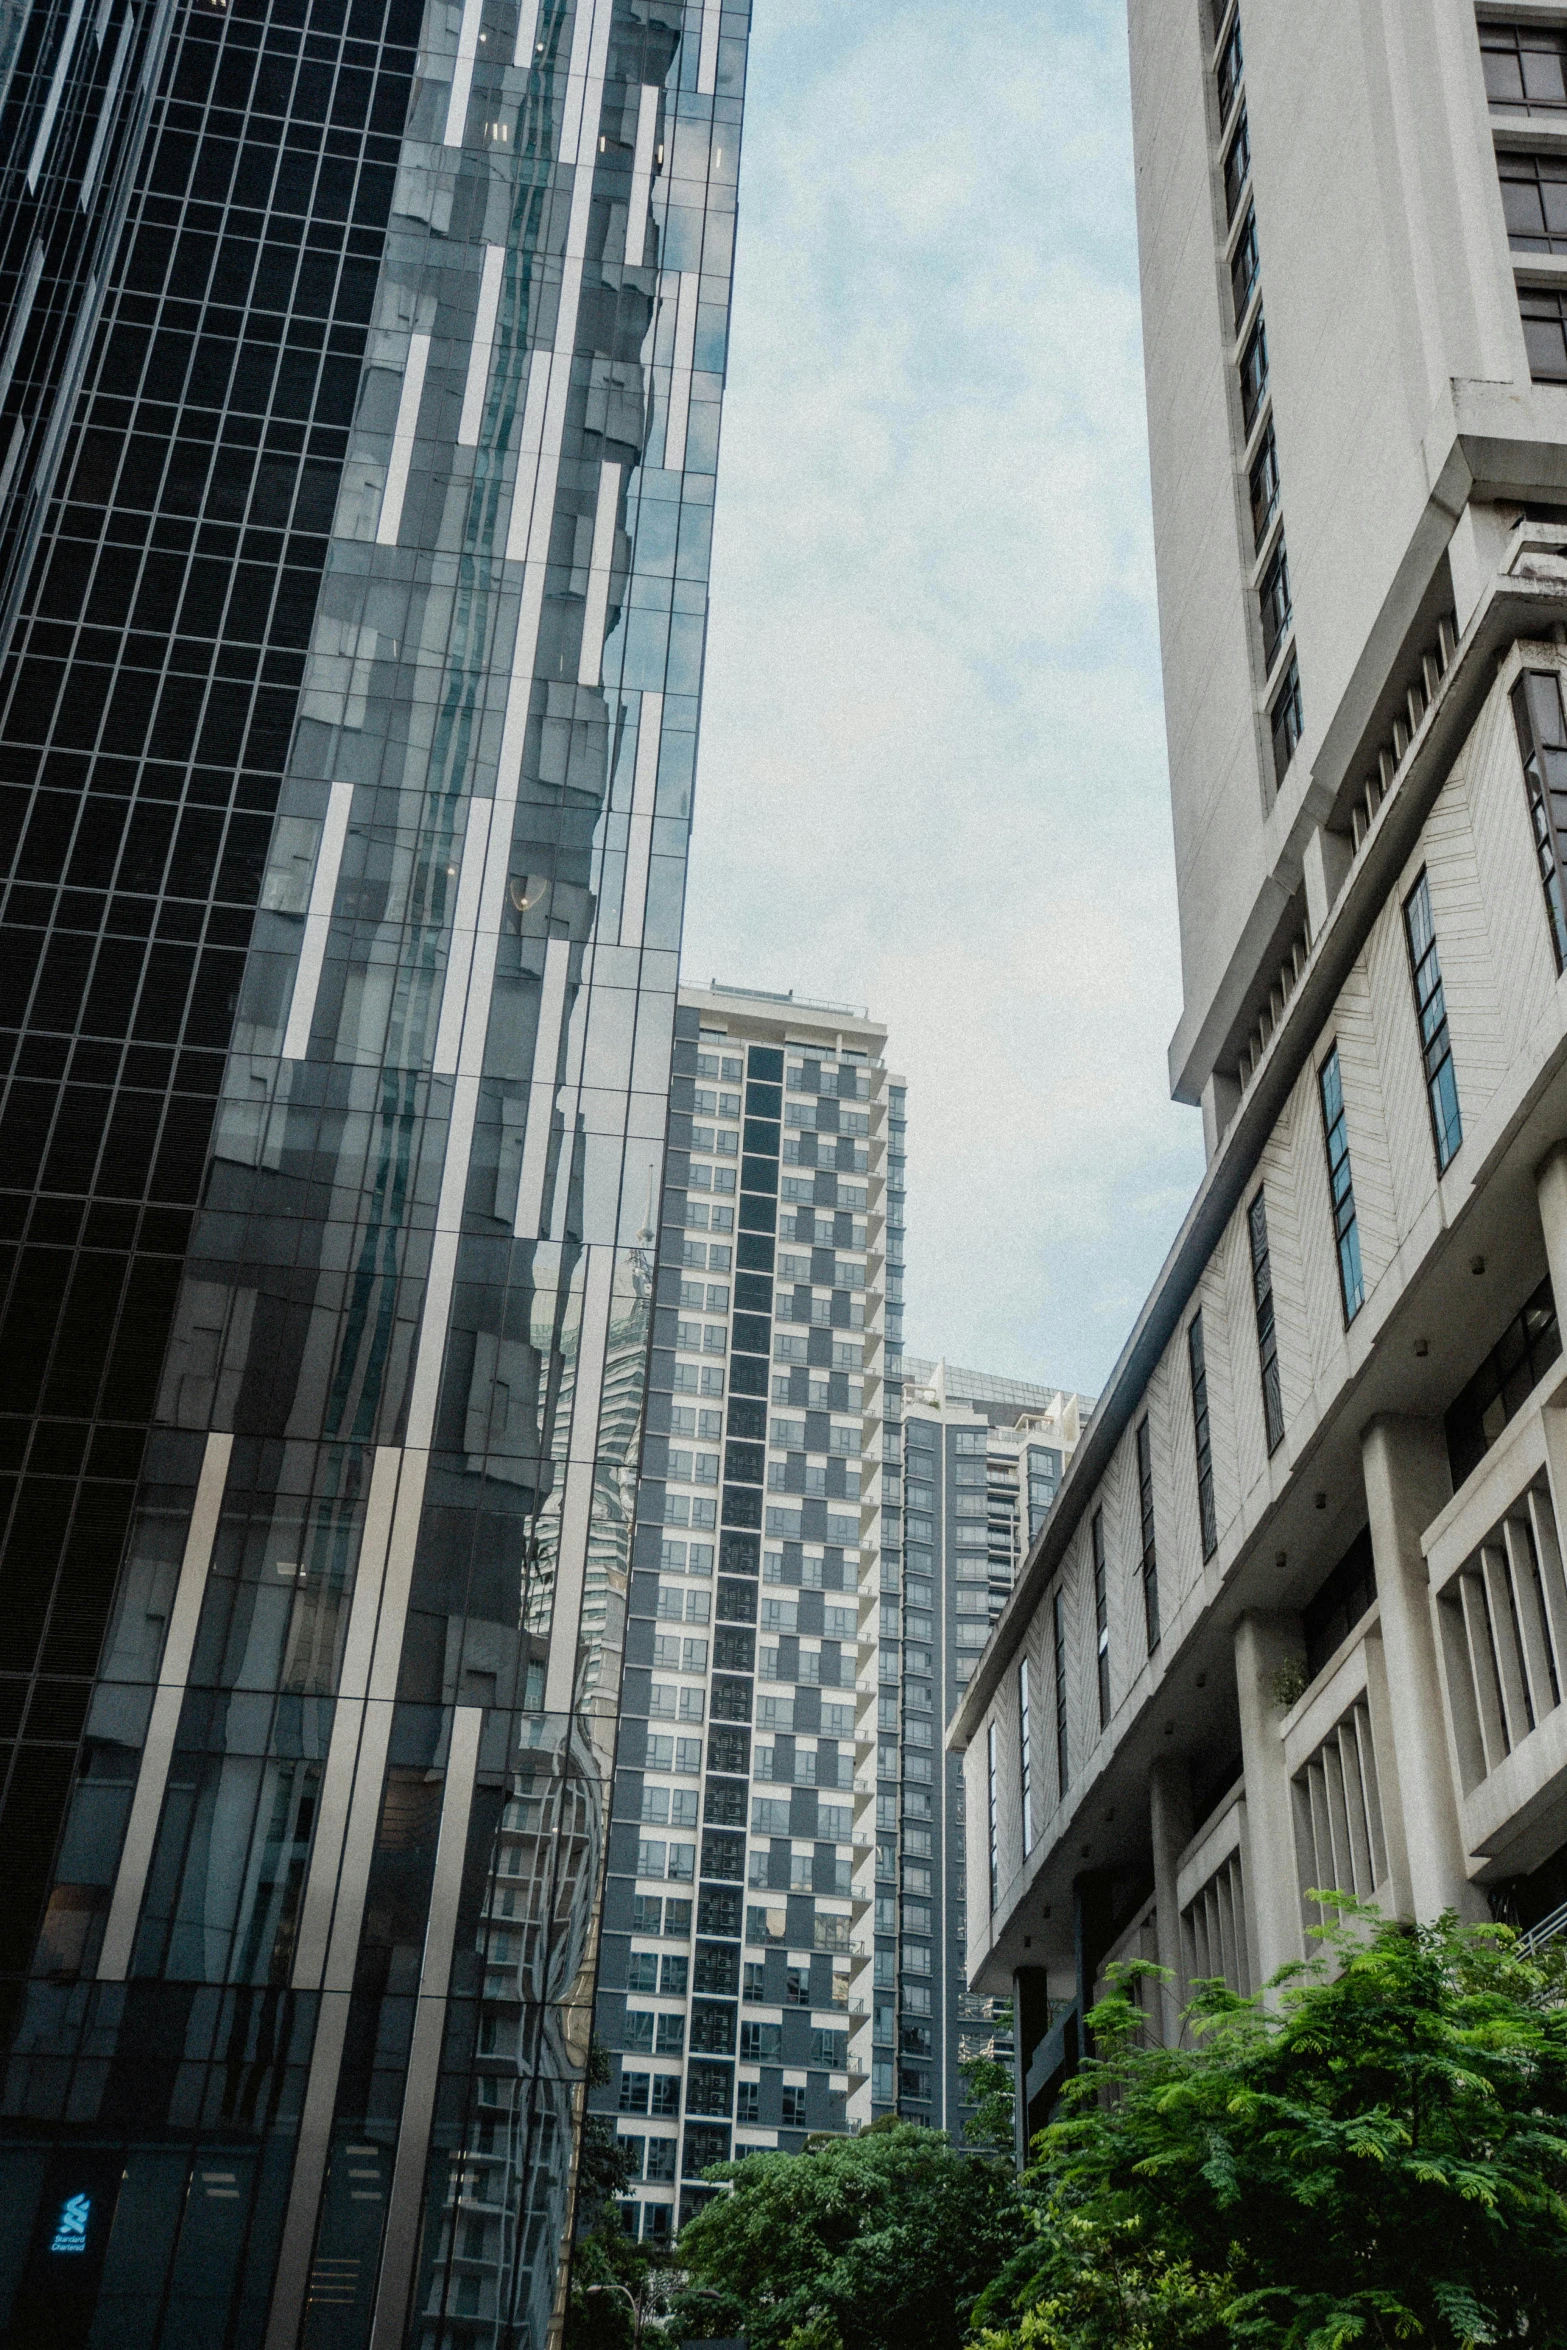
(737, 1956)
(359, 395)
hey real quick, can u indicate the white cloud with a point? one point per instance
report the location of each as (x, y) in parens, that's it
(932, 773)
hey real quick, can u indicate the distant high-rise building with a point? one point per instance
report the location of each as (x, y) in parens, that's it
(360, 370)
(982, 1459)
(736, 1957)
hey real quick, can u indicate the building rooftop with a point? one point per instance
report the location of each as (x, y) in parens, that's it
(984, 1387)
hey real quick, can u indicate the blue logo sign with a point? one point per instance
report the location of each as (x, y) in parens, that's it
(70, 2229)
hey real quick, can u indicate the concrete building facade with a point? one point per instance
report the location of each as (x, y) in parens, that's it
(1298, 1619)
(737, 1956)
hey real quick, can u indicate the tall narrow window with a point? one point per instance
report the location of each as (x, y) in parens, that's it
(1228, 72)
(1286, 720)
(1101, 1617)
(1542, 745)
(1244, 262)
(1237, 167)
(1436, 1048)
(1264, 485)
(1150, 1562)
(1544, 314)
(1346, 1232)
(1197, 1360)
(1254, 372)
(1058, 1644)
(1273, 602)
(1267, 1334)
(993, 1815)
(1025, 1756)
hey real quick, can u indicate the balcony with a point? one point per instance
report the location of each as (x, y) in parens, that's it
(1499, 1591)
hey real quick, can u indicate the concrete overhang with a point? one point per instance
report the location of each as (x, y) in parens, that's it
(1489, 441)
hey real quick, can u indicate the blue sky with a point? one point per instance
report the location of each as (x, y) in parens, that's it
(932, 774)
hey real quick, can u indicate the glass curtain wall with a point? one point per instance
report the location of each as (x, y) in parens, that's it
(348, 735)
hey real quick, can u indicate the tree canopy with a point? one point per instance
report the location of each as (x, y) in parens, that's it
(880, 2242)
(1378, 2156)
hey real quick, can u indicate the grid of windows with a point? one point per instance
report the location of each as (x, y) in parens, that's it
(1202, 1435)
(1436, 1047)
(1524, 68)
(774, 1866)
(1267, 1332)
(150, 685)
(1541, 725)
(1346, 1232)
(1101, 1618)
(263, 557)
(1150, 1557)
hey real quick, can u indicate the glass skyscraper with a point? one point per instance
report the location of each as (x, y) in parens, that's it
(737, 1954)
(359, 395)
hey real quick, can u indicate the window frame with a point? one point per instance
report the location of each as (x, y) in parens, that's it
(1267, 1321)
(1252, 369)
(1245, 267)
(1096, 1540)
(1235, 165)
(1202, 1435)
(1275, 605)
(1543, 795)
(1286, 721)
(992, 1815)
(1431, 1023)
(1265, 462)
(1149, 1563)
(1058, 1659)
(1341, 1200)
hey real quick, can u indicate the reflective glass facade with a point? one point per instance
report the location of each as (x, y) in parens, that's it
(734, 1988)
(359, 391)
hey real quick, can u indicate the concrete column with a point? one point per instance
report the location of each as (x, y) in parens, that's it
(1030, 2028)
(1221, 1098)
(1407, 1481)
(1170, 1824)
(1325, 864)
(1264, 1644)
(1550, 1183)
(1093, 1931)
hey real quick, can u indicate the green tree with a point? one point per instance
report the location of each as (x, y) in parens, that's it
(990, 2126)
(880, 2242)
(620, 2290)
(1378, 2157)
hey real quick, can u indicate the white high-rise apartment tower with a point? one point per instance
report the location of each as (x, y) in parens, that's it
(737, 1955)
(1299, 1616)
